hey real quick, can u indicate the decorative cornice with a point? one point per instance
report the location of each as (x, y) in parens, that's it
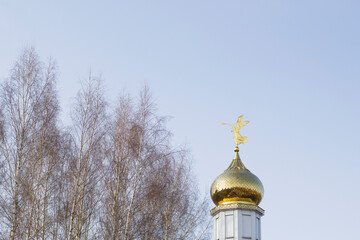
(235, 206)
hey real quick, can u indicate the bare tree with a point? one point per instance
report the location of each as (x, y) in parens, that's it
(89, 120)
(117, 172)
(28, 151)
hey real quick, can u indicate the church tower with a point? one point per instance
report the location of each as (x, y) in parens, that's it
(237, 193)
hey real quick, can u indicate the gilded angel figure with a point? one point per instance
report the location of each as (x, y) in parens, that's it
(236, 130)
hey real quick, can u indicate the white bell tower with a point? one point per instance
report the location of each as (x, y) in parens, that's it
(237, 222)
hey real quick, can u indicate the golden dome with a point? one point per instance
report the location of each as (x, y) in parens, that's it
(237, 185)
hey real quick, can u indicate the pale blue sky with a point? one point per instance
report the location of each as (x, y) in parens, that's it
(291, 67)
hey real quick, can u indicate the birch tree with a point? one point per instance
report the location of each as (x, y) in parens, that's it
(28, 151)
(88, 133)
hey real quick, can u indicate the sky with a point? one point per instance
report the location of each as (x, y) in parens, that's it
(290, 67)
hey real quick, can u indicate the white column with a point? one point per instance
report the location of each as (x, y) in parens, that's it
(237, 222)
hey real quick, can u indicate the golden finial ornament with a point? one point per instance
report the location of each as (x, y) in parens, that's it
(236, 130)
(237, 184)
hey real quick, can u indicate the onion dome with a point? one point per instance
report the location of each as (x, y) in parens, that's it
(237, 185)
